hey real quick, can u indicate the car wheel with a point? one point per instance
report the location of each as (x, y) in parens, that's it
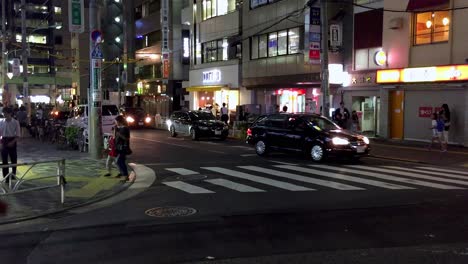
(261, 148)
(173, 133)
(317, 153)
(193, 134)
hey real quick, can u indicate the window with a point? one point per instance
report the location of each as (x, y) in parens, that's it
(216, 50)
(57, 10)
(258, 3)
(276, 43)
(431, 27)
(213, 8)
(138, 12)
(38, 39)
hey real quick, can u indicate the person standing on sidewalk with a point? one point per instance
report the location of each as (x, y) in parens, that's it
(437, 127)
(122, 145)
(445, 115)
(111, 153)
(10, 131)
(224, 114)
(342, 116)
(22, 118)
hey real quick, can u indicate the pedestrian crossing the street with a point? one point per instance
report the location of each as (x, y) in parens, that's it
(314, 178)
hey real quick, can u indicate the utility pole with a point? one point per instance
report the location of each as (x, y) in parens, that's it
(25, 59)
(95, 93)
(324, 58)
(4, 57)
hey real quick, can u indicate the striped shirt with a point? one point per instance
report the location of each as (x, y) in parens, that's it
(10, 128)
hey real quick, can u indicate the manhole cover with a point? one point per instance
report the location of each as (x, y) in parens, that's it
(170, 211)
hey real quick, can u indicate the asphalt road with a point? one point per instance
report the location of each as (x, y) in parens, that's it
(249, 209)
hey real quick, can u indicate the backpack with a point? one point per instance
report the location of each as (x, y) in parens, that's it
(440, 125)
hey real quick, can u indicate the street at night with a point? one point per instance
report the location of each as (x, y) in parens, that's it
(239, 205)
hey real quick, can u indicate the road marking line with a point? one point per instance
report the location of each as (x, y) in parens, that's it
(283, 163)
(248, 155)
(409, 174)
(385, 185)
(444, 170)
(389, 177)
(189, 188)
(234, 185)
(250, 177)
(334, 185)
(182, 171)
(429, 172)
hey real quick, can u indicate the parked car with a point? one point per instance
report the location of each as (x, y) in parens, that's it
(196, 124)
(312, 134)
(136, 117)
(79, 117)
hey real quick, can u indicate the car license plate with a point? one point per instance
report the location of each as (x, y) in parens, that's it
(140, 123)
(361, 149)
(217, 132)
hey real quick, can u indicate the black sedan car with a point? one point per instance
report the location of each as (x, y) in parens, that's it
(136, 117)
(196, 124)
(312, 134)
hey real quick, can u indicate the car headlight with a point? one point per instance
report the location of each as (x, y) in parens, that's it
(148, 119)
(130, 119)
(366, 140)
(339, 141)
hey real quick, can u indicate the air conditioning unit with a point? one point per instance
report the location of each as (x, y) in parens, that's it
(395, 23)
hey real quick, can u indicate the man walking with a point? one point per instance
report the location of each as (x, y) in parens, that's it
(10, 132)
(342, 116)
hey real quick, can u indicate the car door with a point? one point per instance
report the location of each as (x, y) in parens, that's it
(276, 130)
(296, 135)
(184, 124)
(175, 121)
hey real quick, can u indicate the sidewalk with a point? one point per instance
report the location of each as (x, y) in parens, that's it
(413, 151)
(85, 181)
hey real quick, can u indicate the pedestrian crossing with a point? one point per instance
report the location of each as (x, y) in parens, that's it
(315, 177)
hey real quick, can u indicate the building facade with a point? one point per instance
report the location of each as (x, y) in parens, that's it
(427, 66)
(215, 64)
(49, 75)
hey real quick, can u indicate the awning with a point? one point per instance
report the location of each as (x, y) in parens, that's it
(414, 5)
(205, 88)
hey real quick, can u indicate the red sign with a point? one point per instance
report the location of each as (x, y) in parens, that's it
(425, 111)
(166, 69)
(314, 54)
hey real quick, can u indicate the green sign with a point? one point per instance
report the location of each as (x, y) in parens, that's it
(76, 17)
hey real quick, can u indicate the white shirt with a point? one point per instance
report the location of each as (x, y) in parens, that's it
(10, 128)
(224, 110)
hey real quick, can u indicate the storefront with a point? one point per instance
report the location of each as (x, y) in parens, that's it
(211, 87)
(362, 94)
(415, 93)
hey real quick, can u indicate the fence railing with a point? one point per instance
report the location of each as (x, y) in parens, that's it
(11, 183)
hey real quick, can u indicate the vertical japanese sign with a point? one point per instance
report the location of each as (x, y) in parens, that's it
(314, 36)
(165, 38)
(76, 16)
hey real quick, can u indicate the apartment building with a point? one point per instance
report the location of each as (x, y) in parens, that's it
(46, 41)
(426, 66)
(215, 57)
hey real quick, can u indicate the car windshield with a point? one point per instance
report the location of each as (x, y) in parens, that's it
(320, 122)
(201, 116)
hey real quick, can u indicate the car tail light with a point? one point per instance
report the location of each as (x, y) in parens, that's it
(249, 132)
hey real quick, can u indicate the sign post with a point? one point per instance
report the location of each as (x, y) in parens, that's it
(95, 98)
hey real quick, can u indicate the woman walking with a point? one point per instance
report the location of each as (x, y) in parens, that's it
(445, 115)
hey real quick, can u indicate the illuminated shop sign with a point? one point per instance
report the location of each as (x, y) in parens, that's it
(186, 48)
(424, 74)
(211, 76)
(380, 58)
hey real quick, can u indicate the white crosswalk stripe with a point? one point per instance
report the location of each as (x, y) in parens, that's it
(263, 180)
(441, 174)
(182, 171)
(390, 177)
(234, 185)
(444, 170)
(186, 187)
(330, 184)
(410, 174)
(346, 177)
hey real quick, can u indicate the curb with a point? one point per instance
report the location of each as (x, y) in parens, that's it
(67, 208)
